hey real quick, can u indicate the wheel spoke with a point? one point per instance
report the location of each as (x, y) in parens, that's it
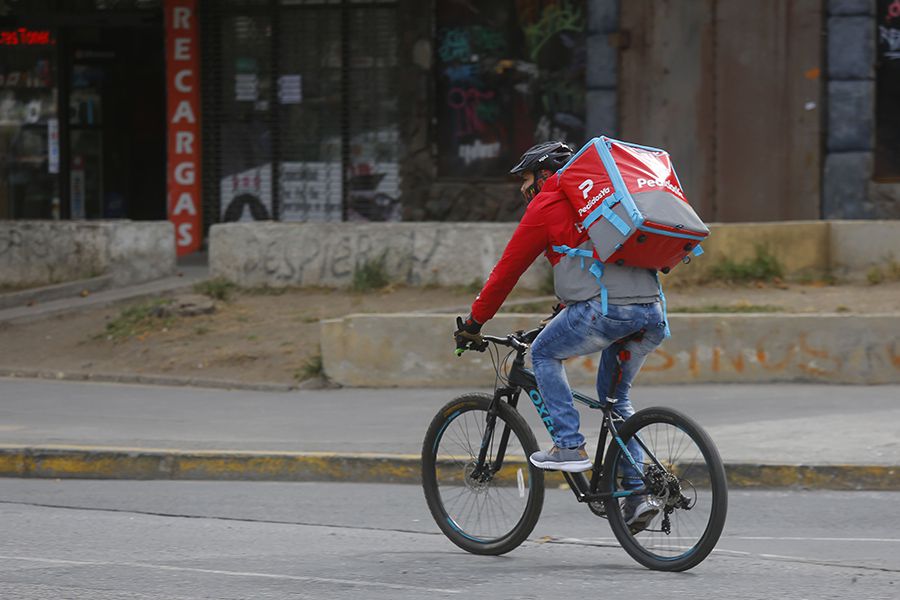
(489, 507)
(679, 448)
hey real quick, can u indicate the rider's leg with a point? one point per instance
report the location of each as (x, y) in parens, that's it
(636, 354)
(550, 348)
(578, 330)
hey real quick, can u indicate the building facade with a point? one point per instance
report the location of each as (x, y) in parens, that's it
(207, 111)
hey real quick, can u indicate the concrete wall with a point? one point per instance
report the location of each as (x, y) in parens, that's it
(858, 247)
(801, 247)
(44, 252)
(310, 254)
(417, 350)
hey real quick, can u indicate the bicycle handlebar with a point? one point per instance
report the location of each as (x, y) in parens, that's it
(518, 341)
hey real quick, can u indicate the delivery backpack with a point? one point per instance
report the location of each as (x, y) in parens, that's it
(630, 201)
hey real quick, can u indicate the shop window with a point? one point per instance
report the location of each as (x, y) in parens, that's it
(509, 74)
(887, 117)
(29, 129)
(303, 121)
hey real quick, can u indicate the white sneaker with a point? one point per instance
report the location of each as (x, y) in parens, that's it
(571, 460)
(638, 512)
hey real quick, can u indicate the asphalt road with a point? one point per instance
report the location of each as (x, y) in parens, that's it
(103, 540)
(779, 423)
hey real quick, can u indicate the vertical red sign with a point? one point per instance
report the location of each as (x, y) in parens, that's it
(183, 114)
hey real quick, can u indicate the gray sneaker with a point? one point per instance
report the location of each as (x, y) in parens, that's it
(638, 512)
(571, 460)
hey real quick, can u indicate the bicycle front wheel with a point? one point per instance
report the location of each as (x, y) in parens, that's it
(687, 486)
(489, 510)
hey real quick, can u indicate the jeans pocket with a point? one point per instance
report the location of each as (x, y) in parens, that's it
(616, 314)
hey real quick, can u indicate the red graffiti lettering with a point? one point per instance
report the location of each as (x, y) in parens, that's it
(763, 358)
(694, 363)
(666, 361)
(894, 9)
(469, 109)
(892, 352)
(813, 368)
(736, 361)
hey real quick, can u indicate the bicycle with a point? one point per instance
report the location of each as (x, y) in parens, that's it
(487, 497)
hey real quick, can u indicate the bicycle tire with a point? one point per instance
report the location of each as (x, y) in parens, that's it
(661, 552)
(441, 470)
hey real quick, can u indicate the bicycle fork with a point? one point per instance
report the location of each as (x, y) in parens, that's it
(481, 472)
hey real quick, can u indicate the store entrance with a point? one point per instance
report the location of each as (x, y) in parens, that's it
(115, 81)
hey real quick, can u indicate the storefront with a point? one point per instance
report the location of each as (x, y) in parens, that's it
(209, 111)
(82, 110)
(301, 110)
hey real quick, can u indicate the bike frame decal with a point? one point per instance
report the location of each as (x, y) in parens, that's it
(628, 454)
(543, 413)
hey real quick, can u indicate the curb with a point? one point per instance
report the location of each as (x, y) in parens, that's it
(88, 462)
(134, 378)
(119, 295)
(58, 291)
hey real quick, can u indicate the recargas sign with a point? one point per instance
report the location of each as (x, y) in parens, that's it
(183, 118)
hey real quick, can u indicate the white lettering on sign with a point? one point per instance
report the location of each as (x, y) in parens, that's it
(185, 234)
(184, 173)
(182, 49)
(185, 205)
(184, 141)
(180, 85)
(181, 18)
(660, 183)
(585, 187)
(185, 112)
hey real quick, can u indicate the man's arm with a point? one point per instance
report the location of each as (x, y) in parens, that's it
(526, 244)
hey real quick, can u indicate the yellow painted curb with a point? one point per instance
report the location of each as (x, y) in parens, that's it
(81, 462)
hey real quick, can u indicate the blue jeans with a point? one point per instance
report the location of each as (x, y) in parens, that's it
(581, 329)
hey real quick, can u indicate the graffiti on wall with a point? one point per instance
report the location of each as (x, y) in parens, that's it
(781, 358)
(320, 261)
(509, 75)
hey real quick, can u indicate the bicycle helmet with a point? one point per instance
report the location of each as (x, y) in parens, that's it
(549, 156)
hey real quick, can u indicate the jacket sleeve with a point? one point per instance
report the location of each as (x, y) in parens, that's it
(527, 243)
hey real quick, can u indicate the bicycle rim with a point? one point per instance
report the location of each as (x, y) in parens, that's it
(691, 511)
(482, 510)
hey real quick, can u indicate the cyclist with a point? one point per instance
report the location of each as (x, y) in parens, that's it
(581, 327)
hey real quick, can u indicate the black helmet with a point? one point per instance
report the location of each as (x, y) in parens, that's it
(546, 155)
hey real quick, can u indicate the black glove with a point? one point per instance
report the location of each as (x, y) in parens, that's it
(468, 335)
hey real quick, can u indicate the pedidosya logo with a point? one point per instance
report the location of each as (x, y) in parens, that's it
(641, 182)
(585, 188)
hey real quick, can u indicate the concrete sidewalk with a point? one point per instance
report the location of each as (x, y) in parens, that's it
(188, 274)
(831, 437)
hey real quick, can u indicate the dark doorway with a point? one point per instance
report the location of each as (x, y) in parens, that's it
(117, 132)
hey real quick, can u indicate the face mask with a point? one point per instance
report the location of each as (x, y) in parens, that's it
(532, 190)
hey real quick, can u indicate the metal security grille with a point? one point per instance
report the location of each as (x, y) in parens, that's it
(300, 110)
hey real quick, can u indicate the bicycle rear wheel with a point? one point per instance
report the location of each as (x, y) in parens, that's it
(483, 513)
(690, 490)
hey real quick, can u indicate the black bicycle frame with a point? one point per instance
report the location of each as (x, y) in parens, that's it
(521, 379)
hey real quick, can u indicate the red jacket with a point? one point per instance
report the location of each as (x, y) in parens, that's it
(549, 221)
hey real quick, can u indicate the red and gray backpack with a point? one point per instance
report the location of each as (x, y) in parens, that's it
(630, 201)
